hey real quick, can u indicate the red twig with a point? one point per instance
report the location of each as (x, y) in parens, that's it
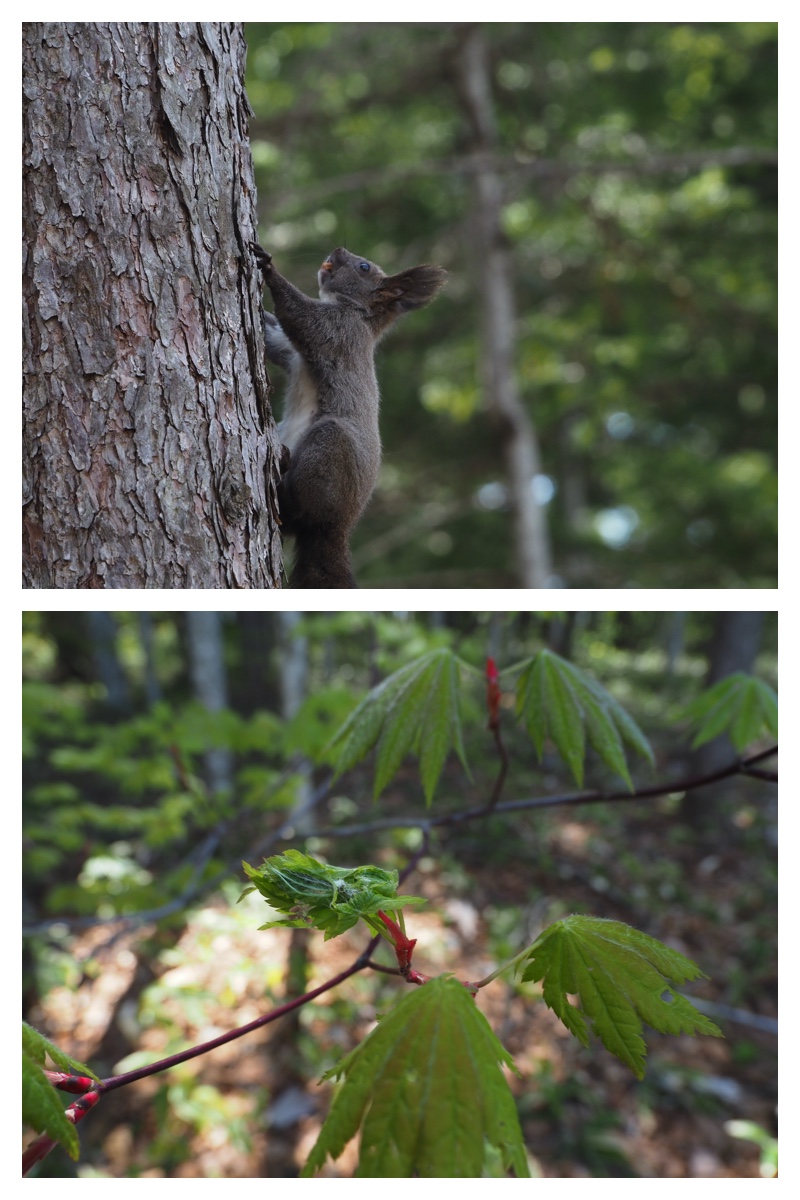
(493, 697)
(40, 1147)
(493, 693)
(164, 1064)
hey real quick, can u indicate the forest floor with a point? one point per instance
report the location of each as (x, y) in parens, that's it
(254, 1108)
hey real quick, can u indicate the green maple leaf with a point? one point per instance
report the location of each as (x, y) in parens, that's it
(42, 1104)
(622, 977)
(556, 700)
(315, 895)
(415, 711)
(427, 1089)
(739, 705)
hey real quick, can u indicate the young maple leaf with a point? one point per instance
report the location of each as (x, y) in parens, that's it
(427, 1090)
(312, 894)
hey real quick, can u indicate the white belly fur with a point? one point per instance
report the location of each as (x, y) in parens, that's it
(300, 406)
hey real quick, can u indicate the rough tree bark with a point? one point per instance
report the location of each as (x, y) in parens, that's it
(150, 450)
(490, 252)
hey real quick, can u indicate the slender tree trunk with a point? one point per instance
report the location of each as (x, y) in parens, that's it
(150, 451)
(102, 630)
(293, 668)
(675, 639)
(210, 684)
(152, 684)
(498, 314)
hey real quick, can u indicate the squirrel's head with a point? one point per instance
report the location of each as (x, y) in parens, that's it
(345, 277)
(345, 274)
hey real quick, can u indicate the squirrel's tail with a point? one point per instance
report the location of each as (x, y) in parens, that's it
(322, 559)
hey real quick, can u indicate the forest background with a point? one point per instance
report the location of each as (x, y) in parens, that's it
(161, 749)
(614, 190)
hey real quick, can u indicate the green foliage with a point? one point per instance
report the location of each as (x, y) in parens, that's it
(110, 819)
(418, 710)
(739, 705)
(651, 291)
(316, 896)
(768, 1145)
(415, 711)
(323, 710)
(42, 1105)
(622, 977)
(427, 1089)
(556, 699)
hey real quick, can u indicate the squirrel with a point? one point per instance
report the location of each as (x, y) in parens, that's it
(329, 431)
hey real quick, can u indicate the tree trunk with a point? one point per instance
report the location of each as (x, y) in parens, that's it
(498, 314)
(102, 630)
(294, 689)
(210, 685)
(150, 450)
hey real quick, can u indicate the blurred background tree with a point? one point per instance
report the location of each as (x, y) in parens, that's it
(613, 189)
(160, 750)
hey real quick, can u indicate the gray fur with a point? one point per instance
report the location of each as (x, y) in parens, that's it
(330, 422)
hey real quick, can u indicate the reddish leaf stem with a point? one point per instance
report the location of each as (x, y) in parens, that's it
(40, 1147)
(70, 1083)
(493, 696)
(493, 693)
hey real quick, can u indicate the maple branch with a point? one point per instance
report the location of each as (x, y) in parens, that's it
(376, 966)
(690, 783)
(164, 1064)
(760, 773)
(501, 776)
(42, 1145)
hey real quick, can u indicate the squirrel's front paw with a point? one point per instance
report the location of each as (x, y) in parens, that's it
(262, 257)
(285, 459)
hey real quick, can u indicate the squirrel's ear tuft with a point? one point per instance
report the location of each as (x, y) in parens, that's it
(413, 288)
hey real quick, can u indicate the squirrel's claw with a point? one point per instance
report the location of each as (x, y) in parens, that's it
(263, 258)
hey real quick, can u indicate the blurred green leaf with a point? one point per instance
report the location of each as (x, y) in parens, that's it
(739, 705)
(415, 711)
(768, 1145)
(556, 699)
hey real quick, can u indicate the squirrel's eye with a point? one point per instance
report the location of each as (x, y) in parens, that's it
(363, 266)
